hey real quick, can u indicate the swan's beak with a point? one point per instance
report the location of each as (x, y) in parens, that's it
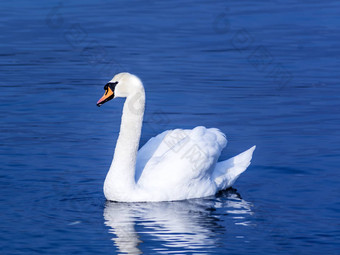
(107, 97)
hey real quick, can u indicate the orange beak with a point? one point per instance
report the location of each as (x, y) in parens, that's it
(106, 97)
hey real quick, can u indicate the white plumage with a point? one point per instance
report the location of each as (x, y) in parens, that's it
(175, 165)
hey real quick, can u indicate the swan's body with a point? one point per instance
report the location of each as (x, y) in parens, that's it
(175, 165)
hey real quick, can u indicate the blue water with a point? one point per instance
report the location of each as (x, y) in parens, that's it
(263, 73)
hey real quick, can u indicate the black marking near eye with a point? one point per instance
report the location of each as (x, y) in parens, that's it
(110, 85)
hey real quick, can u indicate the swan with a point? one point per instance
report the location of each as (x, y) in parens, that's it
(175, 165)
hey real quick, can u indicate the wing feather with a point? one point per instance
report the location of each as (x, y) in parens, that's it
(181, 158)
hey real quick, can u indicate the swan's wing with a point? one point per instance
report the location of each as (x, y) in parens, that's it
(148, 150)
(184, 159)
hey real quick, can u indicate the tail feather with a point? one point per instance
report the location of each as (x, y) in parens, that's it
(226, 172)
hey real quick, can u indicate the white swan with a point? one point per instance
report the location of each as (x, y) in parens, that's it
(175, 165)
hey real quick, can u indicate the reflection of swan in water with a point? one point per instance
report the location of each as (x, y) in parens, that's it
(180, 226)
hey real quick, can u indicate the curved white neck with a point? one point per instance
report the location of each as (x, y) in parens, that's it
(120, 179)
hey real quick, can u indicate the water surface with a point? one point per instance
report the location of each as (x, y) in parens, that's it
(263, 73)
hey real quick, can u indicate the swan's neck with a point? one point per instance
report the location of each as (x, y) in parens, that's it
(120, 179)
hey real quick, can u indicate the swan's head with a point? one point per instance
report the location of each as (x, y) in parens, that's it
(121, 85)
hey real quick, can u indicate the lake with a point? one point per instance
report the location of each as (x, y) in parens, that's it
(265, 74)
